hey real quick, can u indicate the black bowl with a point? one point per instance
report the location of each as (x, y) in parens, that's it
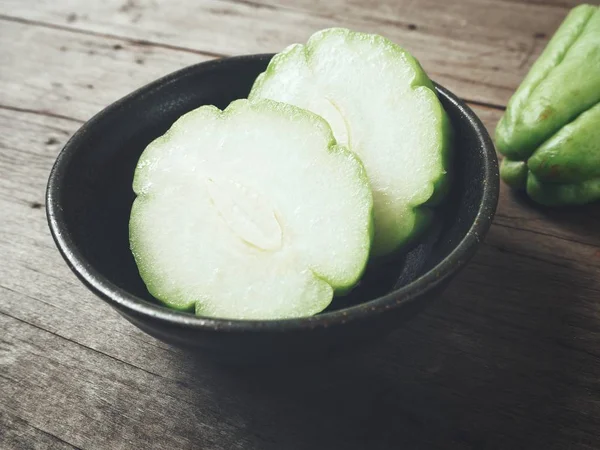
(89, 197)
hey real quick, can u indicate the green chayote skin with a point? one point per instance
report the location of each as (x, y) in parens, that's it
(550, 132)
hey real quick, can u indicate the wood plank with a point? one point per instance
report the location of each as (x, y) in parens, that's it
(480, 50)
(67, 74)
(576, 224)
(93, 401)
(410, 378)
(455, 337)
(18, 434)
(490, 21)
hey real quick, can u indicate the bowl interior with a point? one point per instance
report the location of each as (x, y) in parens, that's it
(94, 194)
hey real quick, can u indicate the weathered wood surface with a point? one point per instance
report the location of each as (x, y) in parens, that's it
(479, 48)
(507, 359)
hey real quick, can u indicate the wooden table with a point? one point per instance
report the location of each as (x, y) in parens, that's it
(508, 359)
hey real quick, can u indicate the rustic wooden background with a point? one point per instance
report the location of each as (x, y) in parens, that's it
(508, 359)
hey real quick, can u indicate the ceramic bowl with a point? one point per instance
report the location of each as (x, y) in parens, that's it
(89, 197)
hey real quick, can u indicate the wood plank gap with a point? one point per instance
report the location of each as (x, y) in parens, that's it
(536, 258)
(484, 104)
(30, 297)
(47, 433)
(138, 42)
(545, 4)
(541, 233)
(313, 13)
(85, 346)
(258, 5)
(39, 113)
(59, 279)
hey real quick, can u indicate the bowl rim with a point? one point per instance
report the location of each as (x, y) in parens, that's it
(131, 304)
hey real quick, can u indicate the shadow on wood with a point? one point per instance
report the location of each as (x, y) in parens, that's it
(502, 363)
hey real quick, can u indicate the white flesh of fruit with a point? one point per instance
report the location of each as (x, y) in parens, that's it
(381, 104)
(253, 212)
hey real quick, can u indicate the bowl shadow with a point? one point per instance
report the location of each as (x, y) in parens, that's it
(496, 364)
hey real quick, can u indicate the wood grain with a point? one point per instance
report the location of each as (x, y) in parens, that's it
(103, 69)
(507, 359)
(479, 49)
(100, 70)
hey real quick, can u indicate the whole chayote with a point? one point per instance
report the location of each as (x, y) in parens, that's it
(550, 132)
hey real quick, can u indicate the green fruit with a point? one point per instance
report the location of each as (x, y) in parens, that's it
(560, 194)
(378, 101)
(253, 212)
(573, 153)
(550, 132)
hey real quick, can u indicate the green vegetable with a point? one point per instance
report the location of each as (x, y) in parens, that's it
(253, 212)
(380, 102)
(550, 132)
